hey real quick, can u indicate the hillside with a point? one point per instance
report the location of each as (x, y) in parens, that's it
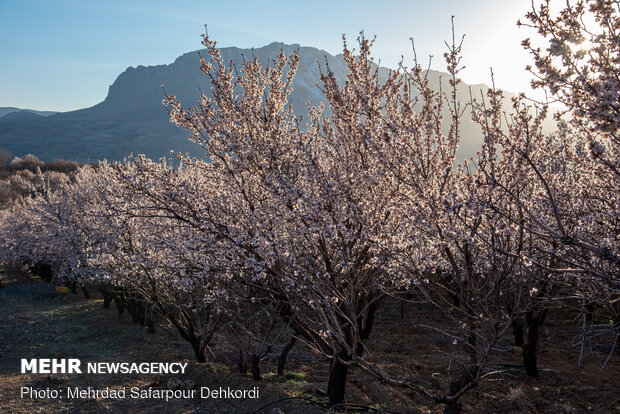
(133, 119)
(10, 109)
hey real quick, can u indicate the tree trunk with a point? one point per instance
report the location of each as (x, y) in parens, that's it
(282, 359)
(517, 330)
(242, 362)
(44, 271)
(200, 356)
(86, 294)
(367, 326)
(148, 318)
(338, 370)
(535, 321)
(338, 378)
(136, 308)
(119, 302)
(133, 308)
(107, 299)
(590, 308)
(255, 367)
(454, 407)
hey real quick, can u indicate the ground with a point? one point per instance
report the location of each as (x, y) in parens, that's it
(38, 321)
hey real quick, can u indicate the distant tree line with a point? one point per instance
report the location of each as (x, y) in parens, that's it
(28, 176)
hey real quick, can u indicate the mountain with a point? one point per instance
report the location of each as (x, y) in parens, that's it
(20, 116)
(133, 119)
(7, 110)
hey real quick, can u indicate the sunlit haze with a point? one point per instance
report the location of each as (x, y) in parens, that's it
(63, 55)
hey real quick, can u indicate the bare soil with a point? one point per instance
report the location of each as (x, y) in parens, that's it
(36, 321)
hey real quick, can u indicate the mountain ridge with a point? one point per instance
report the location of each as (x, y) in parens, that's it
(132, 118)
(5, 110)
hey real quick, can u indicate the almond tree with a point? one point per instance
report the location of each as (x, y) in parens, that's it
(515, 199)
(580, 68)
(306, 218)
(37, 234)
(454, 238)
(319, 219)
(155, 259)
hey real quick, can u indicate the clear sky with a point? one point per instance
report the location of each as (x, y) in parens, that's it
(63, 54)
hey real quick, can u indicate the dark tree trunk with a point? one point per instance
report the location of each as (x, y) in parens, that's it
(535, 322)
(44, 271)
(148, 318)
(107, 298)
(517, 330)
(255, 367)
(132, 307)
(455, 300)
(200, 356)
(370, 318)
(135, 307)
(338, 370)
(590, 308)
(242, 362)
(282, 359)
(119, 302)
(454, 407)
(338, 378)
(86, 294)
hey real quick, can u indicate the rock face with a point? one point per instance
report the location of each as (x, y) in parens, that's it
(133, 119)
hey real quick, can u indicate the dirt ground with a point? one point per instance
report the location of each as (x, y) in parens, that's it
(37, 321)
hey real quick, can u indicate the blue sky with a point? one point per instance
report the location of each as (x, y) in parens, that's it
(64, 54)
